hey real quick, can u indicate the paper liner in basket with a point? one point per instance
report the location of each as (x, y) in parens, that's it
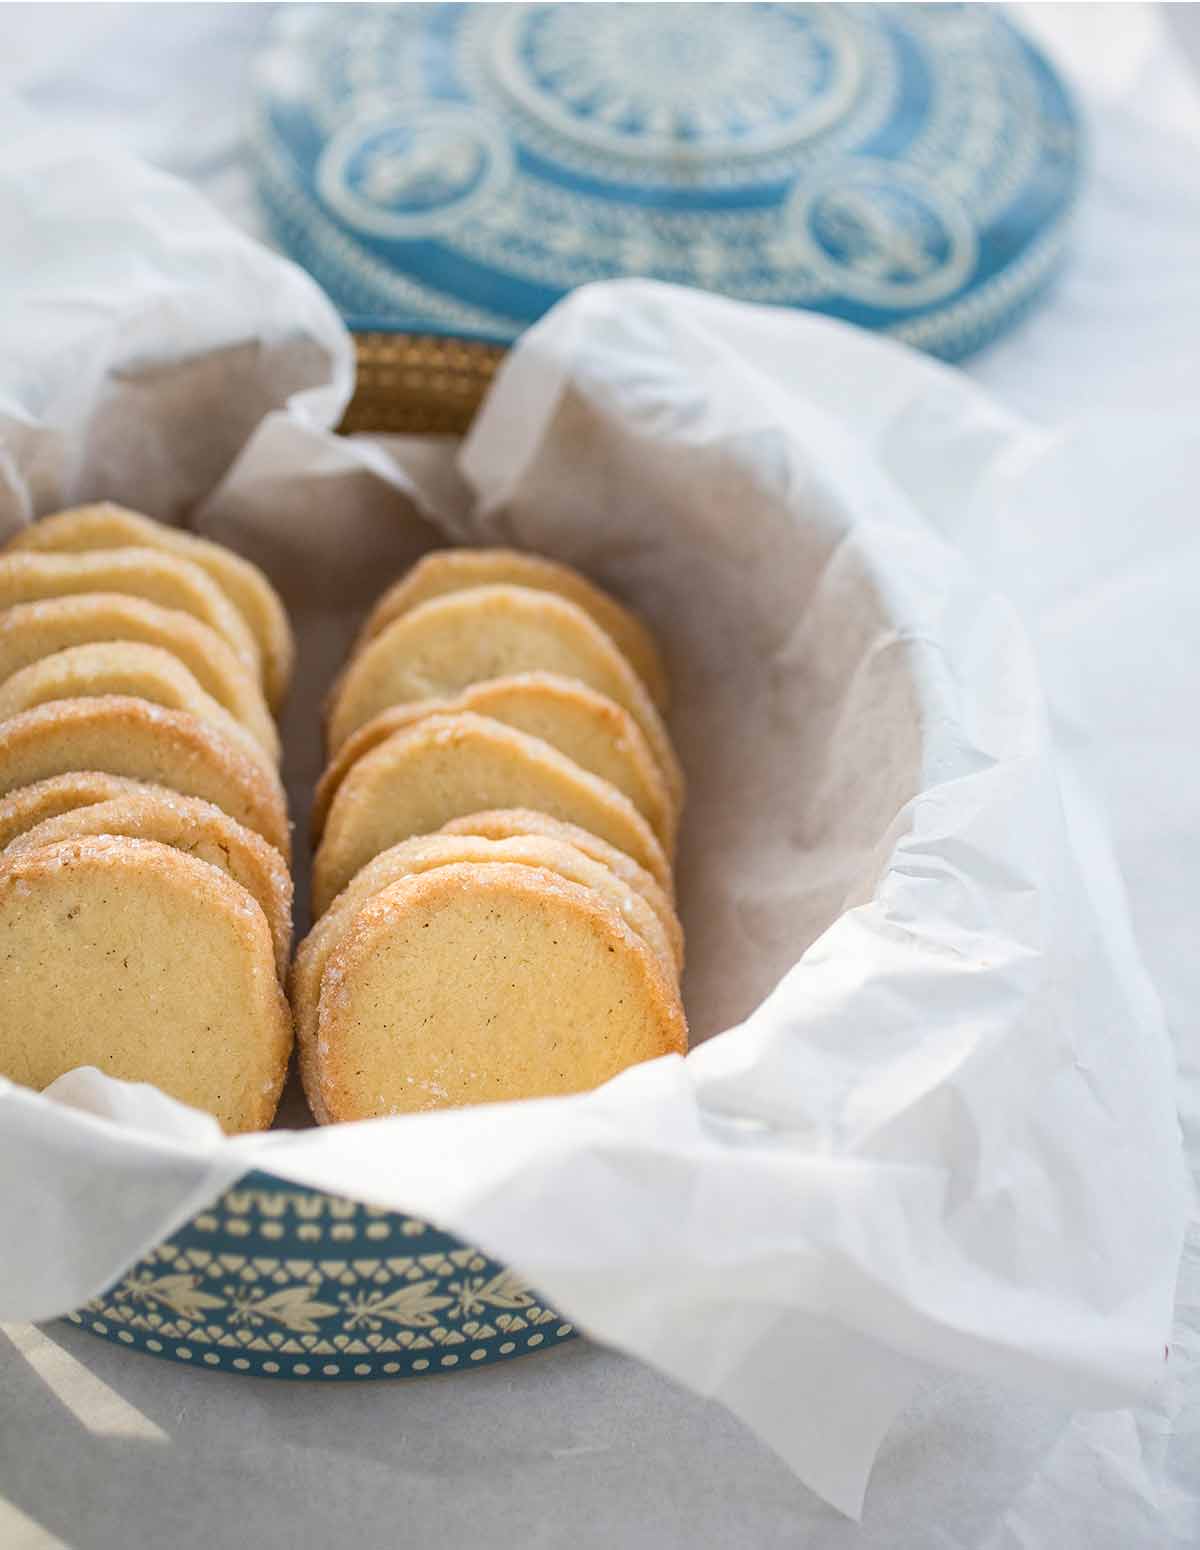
(937, 1130)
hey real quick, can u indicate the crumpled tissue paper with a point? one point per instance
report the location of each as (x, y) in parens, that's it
(929, 1120)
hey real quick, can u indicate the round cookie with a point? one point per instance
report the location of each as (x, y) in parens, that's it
(122, 667)
(120, 735)
(447, 766)
(193, 826)
(21, 809)
(425, 854)
(150, 574)
(481, 984)
(514, 822)
(31, 631)
(454, 570)
(587, 726)
(107, 526)
(442, 647)
(148, 964)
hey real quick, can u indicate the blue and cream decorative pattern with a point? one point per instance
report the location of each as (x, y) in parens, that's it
(283, 1282)
(460, 167)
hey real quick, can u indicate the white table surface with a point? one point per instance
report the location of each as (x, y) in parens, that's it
(101, 1448)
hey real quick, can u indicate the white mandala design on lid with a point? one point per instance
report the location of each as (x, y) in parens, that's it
(906, 167)
(685, 81)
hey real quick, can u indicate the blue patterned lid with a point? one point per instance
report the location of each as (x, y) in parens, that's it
(461, 167)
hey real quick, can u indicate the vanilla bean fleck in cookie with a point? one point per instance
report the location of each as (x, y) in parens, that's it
(133, 957)
(30, 631)
(444, 767)
(198, 828)
(107, 526)
(479, 984)
(600, 735)
(454, 570)
(120, 735)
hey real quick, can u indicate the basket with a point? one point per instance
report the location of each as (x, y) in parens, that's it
(280, 1281)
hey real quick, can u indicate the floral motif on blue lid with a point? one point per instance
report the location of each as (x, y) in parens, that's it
(907, 167)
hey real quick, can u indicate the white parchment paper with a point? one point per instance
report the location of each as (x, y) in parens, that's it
(932, 1125)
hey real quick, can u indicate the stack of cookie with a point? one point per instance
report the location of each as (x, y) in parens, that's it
(145, 898)
(494, 833)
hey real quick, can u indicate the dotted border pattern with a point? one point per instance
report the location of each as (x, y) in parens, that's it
(310, 1368)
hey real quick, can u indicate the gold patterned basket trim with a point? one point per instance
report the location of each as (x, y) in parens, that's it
(418, 384)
